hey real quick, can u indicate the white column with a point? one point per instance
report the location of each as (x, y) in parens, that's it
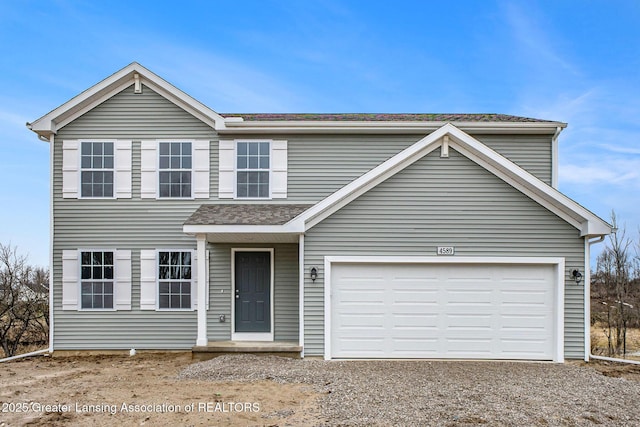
(202, 289)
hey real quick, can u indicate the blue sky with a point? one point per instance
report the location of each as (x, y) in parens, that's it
(577, 62)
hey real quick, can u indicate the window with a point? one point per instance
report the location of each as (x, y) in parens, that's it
(253, 167)
(175, 169)
(97, 280)
(96, 178)
(174, 280)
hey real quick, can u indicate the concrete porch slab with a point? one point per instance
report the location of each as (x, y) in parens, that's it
(217, 348)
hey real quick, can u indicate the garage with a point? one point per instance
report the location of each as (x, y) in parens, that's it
(471, 308)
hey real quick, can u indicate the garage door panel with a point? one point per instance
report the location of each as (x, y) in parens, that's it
(443, 311)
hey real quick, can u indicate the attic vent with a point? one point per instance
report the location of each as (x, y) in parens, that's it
(137, 87)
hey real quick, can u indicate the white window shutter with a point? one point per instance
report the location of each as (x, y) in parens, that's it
(201, 162)
(70, 169)
(148, 169)
(227, 169)
(279, 169)
(122, 169)
(148, 282)
(123, 280)
(194, 283)
(70, 280)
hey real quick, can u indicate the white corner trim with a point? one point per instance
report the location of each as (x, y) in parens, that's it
(201, 289)
(301, 267)
(554, 158)
(52, 279)
(557, 262)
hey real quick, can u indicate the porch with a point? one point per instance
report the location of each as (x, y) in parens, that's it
(216, 348)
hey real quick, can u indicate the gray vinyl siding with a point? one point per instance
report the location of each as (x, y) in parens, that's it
(286, 291)
(443, 202)
(133, 224)
(533, 153)
(319, 165)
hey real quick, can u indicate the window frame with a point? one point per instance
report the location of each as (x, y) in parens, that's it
(158, 280)
(236, 169)
(112, 170)
(158, 169)
(80, 280)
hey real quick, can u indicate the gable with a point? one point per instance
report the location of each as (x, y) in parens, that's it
(137, 116)
(449, 136)
(451, 201)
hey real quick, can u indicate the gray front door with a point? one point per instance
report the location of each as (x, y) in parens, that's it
(253, 292)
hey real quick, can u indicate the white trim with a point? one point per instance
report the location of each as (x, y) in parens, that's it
(557, 262)
(158, 170)
(444, 151)
(554, 157)
(288, 228)
(202, 336)
(329, 126)
(252, 336)
(587, 299)
(584, 220)
(112, 85)
(81, 169)
(51, 228)
(79, 275)
(236, 170)
(301, 267)
(157, 267)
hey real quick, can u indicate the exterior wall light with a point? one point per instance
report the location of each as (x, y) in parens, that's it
(577, 276)
(314, 274)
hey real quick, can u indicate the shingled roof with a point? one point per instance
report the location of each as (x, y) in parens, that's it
(245, 214)
(373, 117)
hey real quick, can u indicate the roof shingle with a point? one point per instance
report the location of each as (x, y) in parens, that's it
(374, 117)
(245, 214)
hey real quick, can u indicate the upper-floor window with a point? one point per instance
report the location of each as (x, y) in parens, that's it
(175, 166)
(96, 164)
(253, 170)
(96, 286)
(174, 279)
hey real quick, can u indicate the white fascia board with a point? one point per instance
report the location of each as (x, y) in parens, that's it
(512, 174)
(315, 126)
(98, 93)
(243, 229)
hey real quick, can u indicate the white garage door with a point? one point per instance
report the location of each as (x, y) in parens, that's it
(475, 311)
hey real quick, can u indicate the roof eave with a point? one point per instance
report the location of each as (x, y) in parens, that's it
(232, 125)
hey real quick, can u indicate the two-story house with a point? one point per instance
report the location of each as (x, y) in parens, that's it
(333, 235)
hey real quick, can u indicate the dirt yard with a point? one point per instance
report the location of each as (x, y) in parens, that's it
(243, 391)
(141, 390)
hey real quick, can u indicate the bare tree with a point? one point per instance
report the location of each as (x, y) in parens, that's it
(23, 301)
(615, 270)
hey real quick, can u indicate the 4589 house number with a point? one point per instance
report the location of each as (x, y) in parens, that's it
(446, 250)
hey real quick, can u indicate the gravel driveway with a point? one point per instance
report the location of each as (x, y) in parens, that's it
(442, 393)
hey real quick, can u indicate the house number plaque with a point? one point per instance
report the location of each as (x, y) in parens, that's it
(446, 250)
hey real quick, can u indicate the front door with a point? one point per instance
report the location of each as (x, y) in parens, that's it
(253, 292)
